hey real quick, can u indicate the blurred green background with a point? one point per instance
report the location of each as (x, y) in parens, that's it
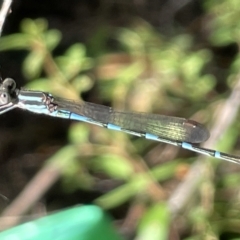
(174, 58)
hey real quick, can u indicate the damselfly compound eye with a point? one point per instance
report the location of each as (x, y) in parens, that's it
(4, 98)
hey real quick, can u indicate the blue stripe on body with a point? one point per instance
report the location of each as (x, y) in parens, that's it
(217, 154)
(30, 98)
(113, 127)
(187, 146)
(78, 117)
(151, 136)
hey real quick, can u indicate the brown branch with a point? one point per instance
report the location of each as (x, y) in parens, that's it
(37, 187)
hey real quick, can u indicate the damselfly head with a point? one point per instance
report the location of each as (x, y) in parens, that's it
(8, 85)
(7, 89)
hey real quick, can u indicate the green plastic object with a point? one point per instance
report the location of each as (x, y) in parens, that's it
(77, 223)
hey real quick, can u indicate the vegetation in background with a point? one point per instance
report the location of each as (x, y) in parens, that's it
(149, 73)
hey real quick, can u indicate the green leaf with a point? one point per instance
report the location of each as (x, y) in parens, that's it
(131, 39)
(78, 133)
(15, 41)
(113, 165)
(125, 192)
(82, 83)
(33, 64)
(74, 61)
(34, 27)
(155, 223)
(41, 84)
(76, 51)
(165, 171)
(52, 38)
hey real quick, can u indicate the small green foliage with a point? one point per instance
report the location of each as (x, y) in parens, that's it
(78, 133)
(34, 27)
(73, 61)
(40, 42)
(42, 84)
(114, 166)
(33, 63)
(171, 61)
(155, 223)
(224, 23)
